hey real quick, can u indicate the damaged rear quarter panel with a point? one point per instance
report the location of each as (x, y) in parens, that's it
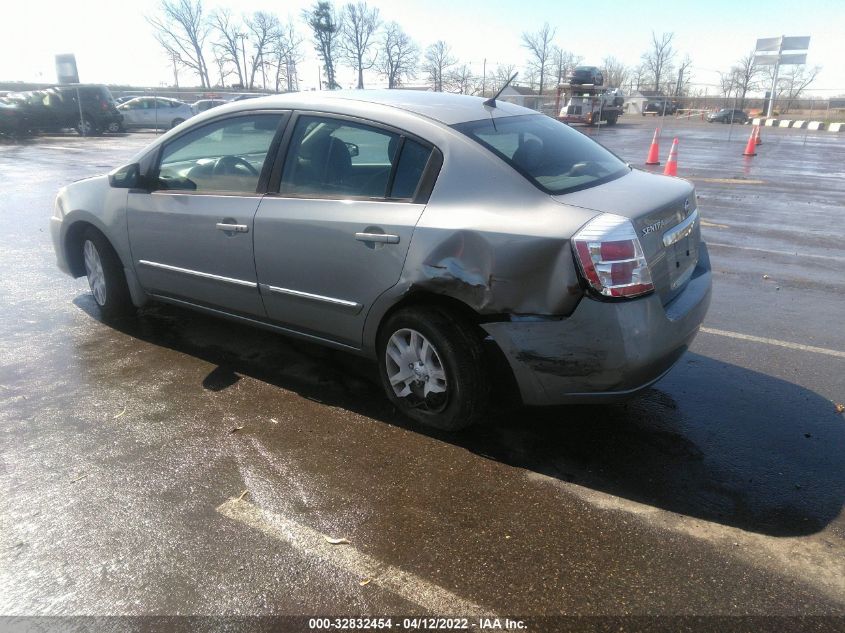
(492, 240)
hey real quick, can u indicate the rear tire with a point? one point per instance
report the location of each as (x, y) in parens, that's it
(105, 274)
(86, 127)
(437, 359)
(176, 122)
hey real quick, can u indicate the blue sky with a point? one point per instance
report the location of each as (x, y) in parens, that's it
(114, 44)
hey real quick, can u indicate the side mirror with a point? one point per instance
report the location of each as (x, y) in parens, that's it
(353, 149)
(126, 177)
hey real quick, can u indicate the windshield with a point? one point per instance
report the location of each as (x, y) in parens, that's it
(553, 156)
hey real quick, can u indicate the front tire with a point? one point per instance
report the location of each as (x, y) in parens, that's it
(431, 364)
(105, 275)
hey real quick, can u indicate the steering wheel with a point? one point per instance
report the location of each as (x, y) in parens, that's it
(231, 164)
(586, 168)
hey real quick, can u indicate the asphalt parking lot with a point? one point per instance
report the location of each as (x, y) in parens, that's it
(179, 465)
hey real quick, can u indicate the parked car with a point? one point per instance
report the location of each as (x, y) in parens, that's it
(124, 99)
(727, 115)
(61, 107)
(206, 104)
(13, 120)
(586, 75)
(426, 231)
(154, 112)
(99, 113)
(660, 107)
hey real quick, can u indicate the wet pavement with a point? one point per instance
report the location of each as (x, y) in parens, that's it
(174, 464)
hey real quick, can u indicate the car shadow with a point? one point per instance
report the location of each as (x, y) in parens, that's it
(712, 440)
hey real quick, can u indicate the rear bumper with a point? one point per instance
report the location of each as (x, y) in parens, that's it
(604, 351)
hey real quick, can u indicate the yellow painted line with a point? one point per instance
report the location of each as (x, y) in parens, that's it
(714, 225)
(730, 181)
(776, 342)
(347, 558)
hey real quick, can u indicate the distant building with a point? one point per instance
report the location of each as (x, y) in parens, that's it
(520, 95)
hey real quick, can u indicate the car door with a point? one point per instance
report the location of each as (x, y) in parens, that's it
(191, 235)
(135, 112)
(336, 234)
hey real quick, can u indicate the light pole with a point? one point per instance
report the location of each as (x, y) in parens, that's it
(242, 37)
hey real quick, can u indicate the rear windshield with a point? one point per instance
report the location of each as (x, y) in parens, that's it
(553, 156)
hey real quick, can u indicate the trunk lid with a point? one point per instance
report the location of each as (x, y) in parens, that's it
(659, 208)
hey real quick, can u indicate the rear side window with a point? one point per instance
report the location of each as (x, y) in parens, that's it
(410, 169)
(553, 156)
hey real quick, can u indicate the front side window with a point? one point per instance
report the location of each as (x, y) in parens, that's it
(553, 156)
(224, 156)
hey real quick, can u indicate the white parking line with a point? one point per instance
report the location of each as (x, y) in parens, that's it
(773, 341)
(62, 149)
(306, 540)
(768, 250)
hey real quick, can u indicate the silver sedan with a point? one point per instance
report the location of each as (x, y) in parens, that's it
(438, 234)
(154, 112)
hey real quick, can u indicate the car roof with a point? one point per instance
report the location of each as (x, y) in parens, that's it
(444, 107)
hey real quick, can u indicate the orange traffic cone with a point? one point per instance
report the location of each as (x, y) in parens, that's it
(759, 140)
(751, 146)
(672, 163)
(654, 150)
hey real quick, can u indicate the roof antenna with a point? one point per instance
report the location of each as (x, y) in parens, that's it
(492, 100)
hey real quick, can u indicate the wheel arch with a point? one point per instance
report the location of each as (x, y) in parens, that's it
(72, 244)
(74, 235)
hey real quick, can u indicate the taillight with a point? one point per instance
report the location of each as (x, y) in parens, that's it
(611, 257)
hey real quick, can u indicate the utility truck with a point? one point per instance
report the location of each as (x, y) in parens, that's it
(589, 104)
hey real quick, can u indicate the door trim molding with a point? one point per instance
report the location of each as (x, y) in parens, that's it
(341, 303)
(197, 273)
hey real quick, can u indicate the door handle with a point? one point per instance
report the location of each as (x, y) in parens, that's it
(384, 238)
(233, 228)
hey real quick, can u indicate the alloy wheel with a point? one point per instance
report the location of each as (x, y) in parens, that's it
(94, 272)
(415, 371)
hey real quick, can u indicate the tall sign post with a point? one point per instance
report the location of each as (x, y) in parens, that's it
(777, 52)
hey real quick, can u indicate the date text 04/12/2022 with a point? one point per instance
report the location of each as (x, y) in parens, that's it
(417, 624)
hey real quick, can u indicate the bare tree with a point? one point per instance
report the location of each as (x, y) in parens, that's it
(637, 77)
(503, 73)
(358, 24)
(399, 56)
(793, 82)
(226, 45)
(438, 62)
(285, 48)
(727, 84)
(683, 76)
(181, 29)
(224, 67)
(563, 63)
(658, 60)
(539, 46)
(325, 29)
(745, 71)
(615, 72)
(261, 27)
(462, 81)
